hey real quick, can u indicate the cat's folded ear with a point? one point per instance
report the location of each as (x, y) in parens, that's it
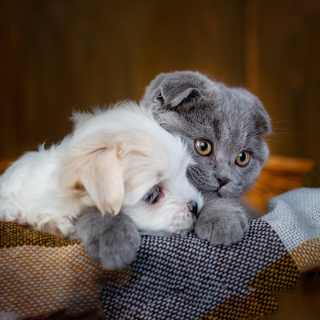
(164, 97)
(261, 118)
(94, 170)
(168, 90)
(256, 111)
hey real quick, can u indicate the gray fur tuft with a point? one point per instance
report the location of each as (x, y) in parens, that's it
(111, 240)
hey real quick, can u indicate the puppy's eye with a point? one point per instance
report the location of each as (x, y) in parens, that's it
(153, 195)
(243, 158)
(203, 147)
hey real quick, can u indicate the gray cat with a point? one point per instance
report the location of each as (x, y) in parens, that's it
(224, 129)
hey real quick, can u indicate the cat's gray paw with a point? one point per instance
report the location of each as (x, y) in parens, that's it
(222, 222)
(112, 241)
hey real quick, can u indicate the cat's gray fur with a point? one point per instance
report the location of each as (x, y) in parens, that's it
(110, 240)
(193, 106)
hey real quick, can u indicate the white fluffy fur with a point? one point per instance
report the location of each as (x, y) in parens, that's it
(112, 160)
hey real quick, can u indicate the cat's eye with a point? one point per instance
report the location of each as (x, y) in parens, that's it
(153, 195)
(203, 147)
(243, 158)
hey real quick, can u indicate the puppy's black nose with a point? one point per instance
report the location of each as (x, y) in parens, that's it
(223, 181)
(193, 208)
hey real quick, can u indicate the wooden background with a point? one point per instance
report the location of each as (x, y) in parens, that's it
(60, 55)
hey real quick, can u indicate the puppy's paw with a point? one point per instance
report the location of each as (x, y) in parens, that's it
(61, 227)
(112, 241)
(223, 224)
(13, 214)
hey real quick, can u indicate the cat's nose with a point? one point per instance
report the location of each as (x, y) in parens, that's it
(193, 208)
(223, 181)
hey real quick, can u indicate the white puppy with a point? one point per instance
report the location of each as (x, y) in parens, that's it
(115, 159)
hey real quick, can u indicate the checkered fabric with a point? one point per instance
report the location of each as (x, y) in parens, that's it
(41, 274)
(174, 278)
(295, 216)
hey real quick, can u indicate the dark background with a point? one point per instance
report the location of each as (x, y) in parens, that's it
(60, 55)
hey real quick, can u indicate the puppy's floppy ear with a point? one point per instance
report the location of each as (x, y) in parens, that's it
(97, 172)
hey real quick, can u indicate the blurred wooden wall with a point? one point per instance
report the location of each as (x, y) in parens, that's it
(60, 55)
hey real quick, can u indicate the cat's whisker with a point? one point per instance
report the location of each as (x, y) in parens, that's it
(284, 131)
(278, 121)
(290, 144)
(258, 186)
(250, 199)
(261, 195)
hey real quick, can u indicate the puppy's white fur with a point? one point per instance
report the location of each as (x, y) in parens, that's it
(115, 159)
